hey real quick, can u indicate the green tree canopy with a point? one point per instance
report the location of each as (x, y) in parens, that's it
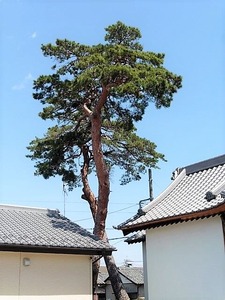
(127, 76)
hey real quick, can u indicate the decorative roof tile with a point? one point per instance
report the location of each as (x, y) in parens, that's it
(186, 197)
(45, 230)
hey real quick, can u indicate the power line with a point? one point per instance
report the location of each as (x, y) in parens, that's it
(116, 211)
(113, 212)
(88, 228)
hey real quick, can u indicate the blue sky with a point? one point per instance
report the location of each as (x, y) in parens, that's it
(192, 36)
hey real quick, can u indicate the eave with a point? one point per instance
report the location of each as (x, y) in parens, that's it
(174, 219)
(135, 240)
(55, 250)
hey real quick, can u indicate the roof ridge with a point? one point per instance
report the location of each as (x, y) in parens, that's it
(205, 164)
(27, 208)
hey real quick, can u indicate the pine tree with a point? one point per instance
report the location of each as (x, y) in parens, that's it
(95, 95)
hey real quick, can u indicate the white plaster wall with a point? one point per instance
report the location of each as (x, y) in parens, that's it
(9, 275)
(49, 276)
(186, 261)
(145, 268)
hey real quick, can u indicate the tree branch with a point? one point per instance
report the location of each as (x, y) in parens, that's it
(87, 111)
(102, 99)
(88, 194)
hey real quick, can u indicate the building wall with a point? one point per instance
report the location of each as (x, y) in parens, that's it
(109, 294)
(145, 269)
(186, 261)
(49, 276)
(134, 291)
(141, 292)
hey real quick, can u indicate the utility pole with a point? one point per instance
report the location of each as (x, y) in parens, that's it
(150, 185)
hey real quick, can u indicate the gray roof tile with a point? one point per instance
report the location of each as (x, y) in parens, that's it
(102, 275)
(186, 194)
(136, 238)
(35, 228)
(134, 274)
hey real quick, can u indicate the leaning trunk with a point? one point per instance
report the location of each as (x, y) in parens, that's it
(95, 272)
(103, 196)
(116, 282)
(114, 275)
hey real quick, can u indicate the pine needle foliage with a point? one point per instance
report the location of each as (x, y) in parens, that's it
(72, 94)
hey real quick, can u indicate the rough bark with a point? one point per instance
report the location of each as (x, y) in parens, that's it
(88, 195)
(103, 195)
(95, 271)
(116, 282)
(101, 168)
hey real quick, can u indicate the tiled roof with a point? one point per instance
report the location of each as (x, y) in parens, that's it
(102, 275)
(134, 274)
(136, 238)
(44, 230)
(196, 192)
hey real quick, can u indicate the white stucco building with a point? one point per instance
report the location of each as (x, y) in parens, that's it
(45, 256)
(182, 232)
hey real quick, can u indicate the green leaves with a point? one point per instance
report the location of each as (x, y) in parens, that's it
(57, 153)
(130, 152)
(121, 34)
(80, 75)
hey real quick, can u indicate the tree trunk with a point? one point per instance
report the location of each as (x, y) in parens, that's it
(88, 195)
(116, 282)
(95, 272)
(103, 196)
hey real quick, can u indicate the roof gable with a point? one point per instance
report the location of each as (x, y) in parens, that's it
(197, 191)
(44, 230)
(132, 274)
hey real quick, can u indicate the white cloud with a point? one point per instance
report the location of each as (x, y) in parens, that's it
(33, 35)
(19, 86)
(23, 83)
(29, 77)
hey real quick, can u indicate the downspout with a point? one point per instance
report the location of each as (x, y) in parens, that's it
(145, 263)
(144, 243)
(223, 226)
